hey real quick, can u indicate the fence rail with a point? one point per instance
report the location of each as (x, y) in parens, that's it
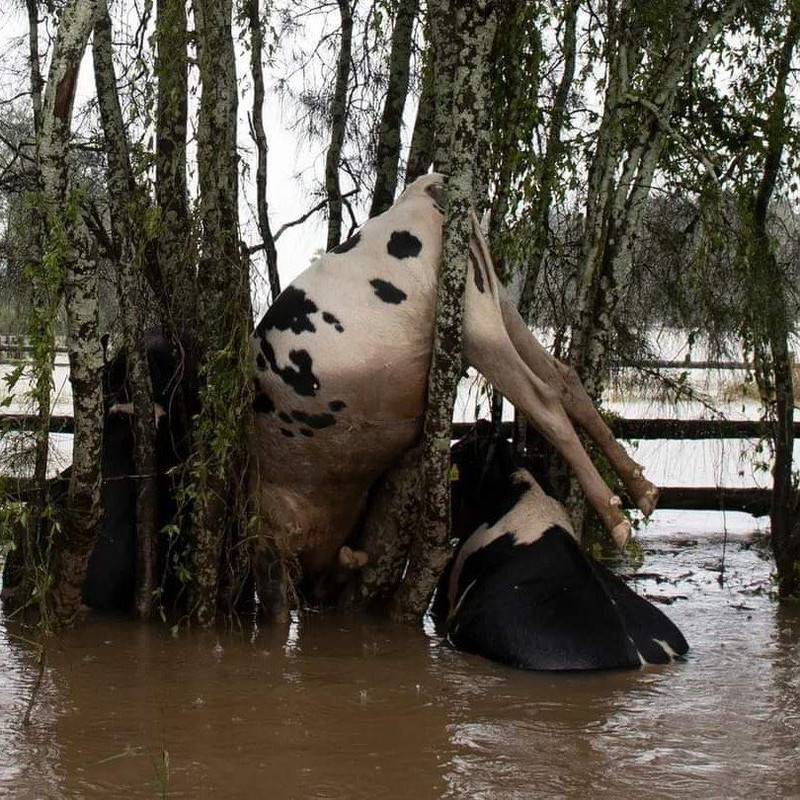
(629, 429)
(750, 500)
(656, 363)
(668, 429)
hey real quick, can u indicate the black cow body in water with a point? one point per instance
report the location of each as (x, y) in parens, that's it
(111, 573)
(519, 589)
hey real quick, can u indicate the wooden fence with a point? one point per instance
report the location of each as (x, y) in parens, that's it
(751, 500)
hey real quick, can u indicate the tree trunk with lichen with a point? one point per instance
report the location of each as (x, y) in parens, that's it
(333, 158)
(429, 546)
(388, 154)
(548, 173)
(127, 212)
(392, 516)
(174, 281)
(444, 34)
(769, 327)
(175, 262)
(224, 314)
(68, 243)
(420, 153)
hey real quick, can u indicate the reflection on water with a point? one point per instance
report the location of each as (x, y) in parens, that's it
(338, 707)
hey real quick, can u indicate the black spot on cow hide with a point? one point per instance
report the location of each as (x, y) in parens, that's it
(348, 245)
(306, 432)
(403, 244)
(291, 311)
(332, 320)
(262, 404)
(302, 379)
(477, 274)
(287, 434)
(388, 292)
(337, 405)
(316, 421)
(285, 417)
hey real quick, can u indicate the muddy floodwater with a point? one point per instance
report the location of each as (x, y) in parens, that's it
(337, 707)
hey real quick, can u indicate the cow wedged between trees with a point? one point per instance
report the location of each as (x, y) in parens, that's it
(341, 365)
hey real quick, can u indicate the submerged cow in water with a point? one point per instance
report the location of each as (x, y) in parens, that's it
(341, 365)
(521, 591)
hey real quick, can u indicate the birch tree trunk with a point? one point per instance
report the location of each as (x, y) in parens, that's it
(391, 519)
(333, 159)
(127, 214)
(175, 257)
(770, 328)
(260, 138)
(428, 552)
(517, 56)
(68, 242)
(445, 63)
(388, 154)
(176, 246)
(33, 60)
(540, 222)
(420, 154)
(224, 316)
(45, 294)
(540, 219)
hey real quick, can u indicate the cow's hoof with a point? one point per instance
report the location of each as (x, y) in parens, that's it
(648, 500)
(621, 533)
(352, 559)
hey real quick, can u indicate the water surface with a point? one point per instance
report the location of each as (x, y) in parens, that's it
(336, 706)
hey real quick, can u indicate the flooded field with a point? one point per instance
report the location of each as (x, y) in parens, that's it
(338, 707)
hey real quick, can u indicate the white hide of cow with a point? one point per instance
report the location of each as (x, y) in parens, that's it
(342, 360)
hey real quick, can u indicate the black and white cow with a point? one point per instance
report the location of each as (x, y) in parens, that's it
(110, 578)
(521, 591)
(341, 363)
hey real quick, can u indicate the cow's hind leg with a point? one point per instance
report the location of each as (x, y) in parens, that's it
(578, 405)
(490, 350)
